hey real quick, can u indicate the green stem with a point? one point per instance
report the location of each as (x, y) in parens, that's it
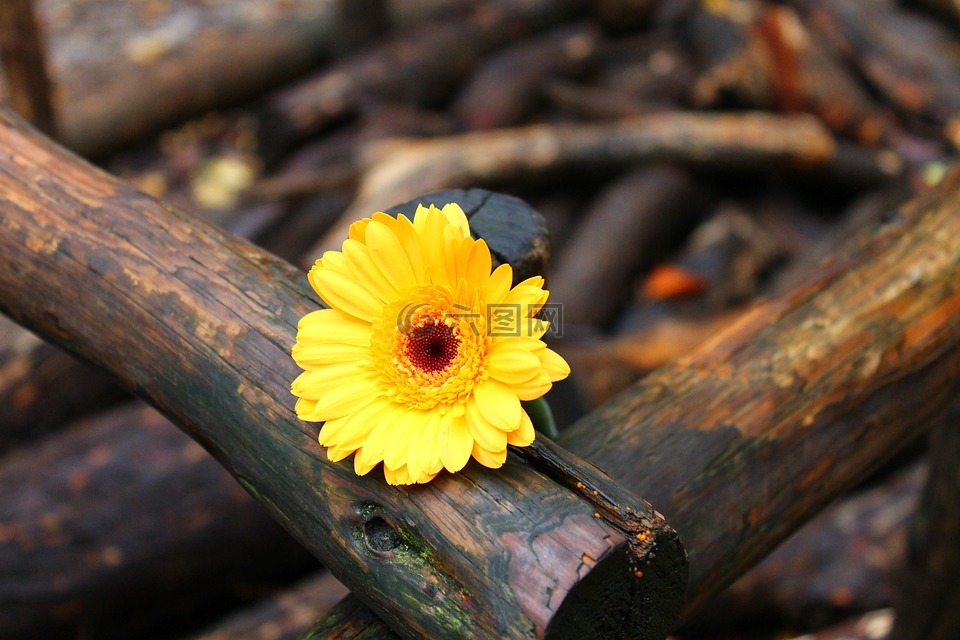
(542, 417)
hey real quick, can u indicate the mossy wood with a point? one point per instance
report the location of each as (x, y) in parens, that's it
(201, 324)
(752, 434)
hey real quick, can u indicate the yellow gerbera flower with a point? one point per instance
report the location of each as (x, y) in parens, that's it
(404, 367)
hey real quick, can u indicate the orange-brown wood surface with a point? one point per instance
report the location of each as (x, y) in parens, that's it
(201, 324)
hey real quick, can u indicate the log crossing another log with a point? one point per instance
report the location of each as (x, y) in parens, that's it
(201, 324)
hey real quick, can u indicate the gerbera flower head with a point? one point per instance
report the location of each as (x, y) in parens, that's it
(424, 355)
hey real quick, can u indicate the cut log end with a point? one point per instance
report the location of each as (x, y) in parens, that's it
(626, 596)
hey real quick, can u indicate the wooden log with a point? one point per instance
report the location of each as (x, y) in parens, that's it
(422, 67)
(349, 620)
(929, 600)
(844, 561)
(637, 221)
(209, 320)
(604, 368)
(24, 65)
(42, 386)
(122, 523)
(403, 169)
(749, 436)
(902, 54)
(285, 616)
(777, 63)
(176, 482)
(119, 74)
(507, 87)
(834, 376)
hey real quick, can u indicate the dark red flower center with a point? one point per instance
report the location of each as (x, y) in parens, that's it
(431, 346)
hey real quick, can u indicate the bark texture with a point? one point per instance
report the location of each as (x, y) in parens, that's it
(201, 324)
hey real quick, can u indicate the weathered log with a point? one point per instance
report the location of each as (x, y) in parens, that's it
(403, 169)
(119, 74)
(286, 616)
(176, 481)
(124, 513)
(42, 386)
(24, 65)
(776, 62)
(834, 376)
(508, 86)
(200, 323)
(421, 67)
(749, 436)
(349, 620)
(842, 562)
(637, 221)
(928, 606)
(604, 368)
(902, 54)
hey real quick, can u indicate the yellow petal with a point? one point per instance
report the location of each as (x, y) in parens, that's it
(555, 366)
(366, 273)
(330, 325)
(405, 429)
(412, 246)
(524, 435)
(331, 260)
(425, 478)
(478, 264)
(458, 446)
(397, 476)
(388, 254)
(353, 430)
(530, 298)
(512, 366)
(451, 243)
(457, 217)
(315, 383)
(366, 459)
(305, 410)
(357, 229)
(498, 404)
(484, 434)
(498, 285)
(315, 356)
(341, 292)
(335, 454)
(386, 219)
(491, 459)
(371, 453)
(424, 457)
(345, 397)
(534, 388)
